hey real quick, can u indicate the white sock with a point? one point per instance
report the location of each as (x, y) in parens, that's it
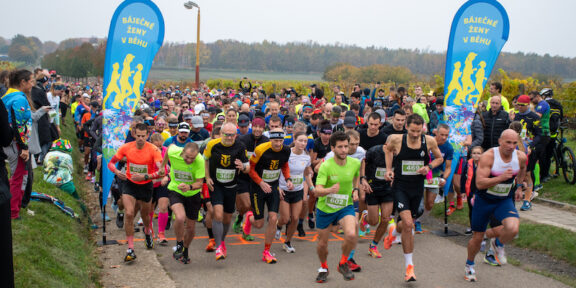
(408, 259)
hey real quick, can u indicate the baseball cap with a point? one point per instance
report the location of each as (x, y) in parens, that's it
(258, 122)
(184, 127)
(440, 101)
(382, 115)
(350, 122)
(85, 95)
(187, 115)
(243, 120)
(197, 122)
(523, 100)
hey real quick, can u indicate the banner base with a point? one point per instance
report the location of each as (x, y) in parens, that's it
(107, 242)
(445, 233)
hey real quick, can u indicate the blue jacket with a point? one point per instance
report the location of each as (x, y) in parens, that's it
(16, 101)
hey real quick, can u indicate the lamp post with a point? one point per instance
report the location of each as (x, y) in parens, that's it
(190, 5)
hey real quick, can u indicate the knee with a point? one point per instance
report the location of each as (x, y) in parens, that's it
(294, 219)
(512, 230)
(350, 236)
(272, 218)
(258, 224)
(129, 214)
(385, 219)
(322, 246)
(373, 220)
(180, 217)
(407, 225)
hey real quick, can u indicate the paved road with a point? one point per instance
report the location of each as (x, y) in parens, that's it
(541, 213)
(439, 262)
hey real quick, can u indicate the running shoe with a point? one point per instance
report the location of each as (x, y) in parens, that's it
(288, 248)
(322, 275)
(363, 223)
(200, 216)
(301, 232)
(390, 238)
(211, 245)
(89, 176)
(373, 251)
(353, 266)
(410, 276)
(459, 205)
(268, 257)
(500, 254)
(345, 270)
(468, 231)
(470, 273)
(450, 210)
(418, 227)
(397, 241)
(220, 253)
(237, 225)
(162, 242)
(247, 237)
(361, 233)
(130, 255)
(185, 259)
(85, 169)
(490, 259)
(311, 222)
(278, 234)
(534, 195)
(149, 241)
(178, 252)
(537, 188)
(526, 206)
(483, 246)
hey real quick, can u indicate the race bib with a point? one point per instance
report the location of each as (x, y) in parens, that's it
(500, 190)
(337, 201)
(380, 173)
(435, 183)
(270, 175)
(182, 176)
(225, 175)
(410, 167)
(137, 168)
(298, 179)
(250, 154)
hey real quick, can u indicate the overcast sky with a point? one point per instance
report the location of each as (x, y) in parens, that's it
(535, 26)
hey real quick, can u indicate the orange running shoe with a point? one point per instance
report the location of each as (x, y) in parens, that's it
(211, 246)
(409, 277)
(390, 238)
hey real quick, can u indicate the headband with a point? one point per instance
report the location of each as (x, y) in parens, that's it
(276, 135)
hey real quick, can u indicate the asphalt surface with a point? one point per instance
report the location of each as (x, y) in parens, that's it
(439, 262)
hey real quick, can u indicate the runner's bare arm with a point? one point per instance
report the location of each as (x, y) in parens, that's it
(483, 180)
(389, 151)
(433, 146)
(520, 178)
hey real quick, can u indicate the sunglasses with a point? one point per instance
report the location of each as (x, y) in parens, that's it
(228, 135)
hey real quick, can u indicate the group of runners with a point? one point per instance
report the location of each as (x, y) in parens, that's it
(272, 166)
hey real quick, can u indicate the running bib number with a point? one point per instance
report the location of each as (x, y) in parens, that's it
(297, 179)
(182, 176)
(411, 167)
(380, 173)
(435, 183)
(140, 169)
(270, 175)
(500, 190)
(225, 175)
(250, 154)
(337, 201)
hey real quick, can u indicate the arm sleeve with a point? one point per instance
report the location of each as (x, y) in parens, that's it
(23, 119)
(253, 174)
(286, 170)
(477, 133)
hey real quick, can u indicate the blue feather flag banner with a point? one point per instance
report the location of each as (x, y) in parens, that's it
(478, 33)
(135, 36)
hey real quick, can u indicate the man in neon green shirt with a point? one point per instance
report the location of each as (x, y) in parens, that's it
(496, 90)
(186, 179)
(337, 189)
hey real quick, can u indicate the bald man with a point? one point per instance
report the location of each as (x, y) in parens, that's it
(499, 180)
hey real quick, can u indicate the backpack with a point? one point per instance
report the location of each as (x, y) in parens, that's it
(556, 115)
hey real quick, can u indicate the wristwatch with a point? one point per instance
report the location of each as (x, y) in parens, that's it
(146, 177)
(430, 166)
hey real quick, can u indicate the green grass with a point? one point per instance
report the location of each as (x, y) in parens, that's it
(206, 73)
(556, 242)
(51, 249)
(557, 189)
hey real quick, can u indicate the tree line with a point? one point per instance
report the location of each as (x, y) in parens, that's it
(290, 57)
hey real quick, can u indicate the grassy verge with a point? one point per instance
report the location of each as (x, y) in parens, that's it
(51, 249)
(557, 189)
(556, 242)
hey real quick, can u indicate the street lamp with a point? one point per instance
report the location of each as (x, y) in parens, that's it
(190, 5)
